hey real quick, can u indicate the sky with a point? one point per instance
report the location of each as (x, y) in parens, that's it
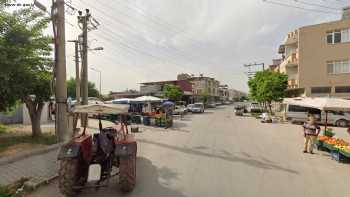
(150, 40)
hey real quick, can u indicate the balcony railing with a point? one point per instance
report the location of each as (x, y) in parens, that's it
(291, 61)
(292, 83)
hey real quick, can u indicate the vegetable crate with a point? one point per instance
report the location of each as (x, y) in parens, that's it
(338, 156)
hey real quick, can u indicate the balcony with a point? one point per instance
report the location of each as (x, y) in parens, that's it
(292, 84)
(292, 38)
(290, 62)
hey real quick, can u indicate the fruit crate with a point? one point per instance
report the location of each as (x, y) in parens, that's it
(330, 147)
(340, 157)
(320, 146)
(345, 154)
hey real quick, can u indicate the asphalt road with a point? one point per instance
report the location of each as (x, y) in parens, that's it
(219, 154)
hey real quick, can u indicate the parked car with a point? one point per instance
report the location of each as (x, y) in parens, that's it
(239, 110)
(299, 114)
(218, 103)
(180, 109)
(196, 108)
(211, 105)
(227, 103)
(254, 108)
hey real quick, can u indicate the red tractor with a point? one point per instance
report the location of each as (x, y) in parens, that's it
(110, 147)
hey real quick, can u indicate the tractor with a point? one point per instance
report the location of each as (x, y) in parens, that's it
(110, 147)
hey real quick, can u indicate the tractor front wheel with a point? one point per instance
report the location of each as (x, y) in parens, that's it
(127, 173)
(70, 175)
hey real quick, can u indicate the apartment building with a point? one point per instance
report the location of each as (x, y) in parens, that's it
(201, 86)
(316, 59)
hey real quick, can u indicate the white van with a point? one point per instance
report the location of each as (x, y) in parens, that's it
(299, 114)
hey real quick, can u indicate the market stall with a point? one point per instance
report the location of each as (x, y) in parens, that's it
(339, 148)
(154, 111)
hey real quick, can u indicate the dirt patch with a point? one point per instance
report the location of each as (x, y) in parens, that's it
(18, 148)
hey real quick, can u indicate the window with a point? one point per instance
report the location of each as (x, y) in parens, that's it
(338, 36)
(342, 89)
(330, 38)
(338, 67)
(345, 35)
(321, 90)
(296, 108)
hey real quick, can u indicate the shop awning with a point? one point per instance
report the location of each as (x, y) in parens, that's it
(325, 104)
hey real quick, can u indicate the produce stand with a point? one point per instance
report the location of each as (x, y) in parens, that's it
(330, 147)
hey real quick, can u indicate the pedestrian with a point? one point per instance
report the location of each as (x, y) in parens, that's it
(311, 131)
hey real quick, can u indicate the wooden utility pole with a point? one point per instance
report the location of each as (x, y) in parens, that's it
(60, 72)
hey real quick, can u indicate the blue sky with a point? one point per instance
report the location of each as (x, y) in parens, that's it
(156, 39)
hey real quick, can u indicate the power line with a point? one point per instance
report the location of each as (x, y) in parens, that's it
(298, 7)
(114, 19)
(315, 4)
(113, 33)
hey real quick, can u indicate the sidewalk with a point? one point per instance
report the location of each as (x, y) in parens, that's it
(39, 168)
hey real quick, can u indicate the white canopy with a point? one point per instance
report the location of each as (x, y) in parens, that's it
(122, 100)
(147, 99)
(102, 109)
(325, 104)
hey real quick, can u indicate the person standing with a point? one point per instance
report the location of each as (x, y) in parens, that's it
(311, 131)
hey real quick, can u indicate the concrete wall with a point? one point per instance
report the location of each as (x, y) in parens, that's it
(13, 117)
(314, 52)
(44, 115)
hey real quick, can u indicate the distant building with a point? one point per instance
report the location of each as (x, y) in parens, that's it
(316, 59)
(202, 86)
(125, 94)
(275, 64)
(156, 88)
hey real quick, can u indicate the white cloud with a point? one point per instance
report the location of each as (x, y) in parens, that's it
(214, 37)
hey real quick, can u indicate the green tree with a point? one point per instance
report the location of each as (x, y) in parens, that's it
(172, 92)
(26, 68)
(205, 97)
(92, 90)
(268, 86)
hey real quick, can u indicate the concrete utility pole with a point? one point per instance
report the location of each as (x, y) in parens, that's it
(77, 71)
(100, 76)
(84, 67)
(60, 71)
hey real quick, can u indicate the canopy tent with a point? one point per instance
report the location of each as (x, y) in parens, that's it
(101, 109)
(168, 103)
(324, 104)
(147, 99)
(122, 101)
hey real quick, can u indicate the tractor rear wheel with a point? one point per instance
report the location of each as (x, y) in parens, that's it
(127, 173)
(72, 173)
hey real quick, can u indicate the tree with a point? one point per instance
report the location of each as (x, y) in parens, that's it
(268, 86)
(172, 92)
(93, 92)
(205, 97)
(26, 68)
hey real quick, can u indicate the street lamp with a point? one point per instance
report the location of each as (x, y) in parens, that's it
(96, 49)
(100, 73)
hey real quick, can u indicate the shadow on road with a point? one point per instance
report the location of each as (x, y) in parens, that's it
(151, 181)
(247, 159)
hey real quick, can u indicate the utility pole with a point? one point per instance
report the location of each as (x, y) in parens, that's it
(77, 71)
(60, 72)
(100, 76)
(84, 67)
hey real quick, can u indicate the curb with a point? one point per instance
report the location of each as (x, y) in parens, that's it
(35, 185)
(25, 154)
